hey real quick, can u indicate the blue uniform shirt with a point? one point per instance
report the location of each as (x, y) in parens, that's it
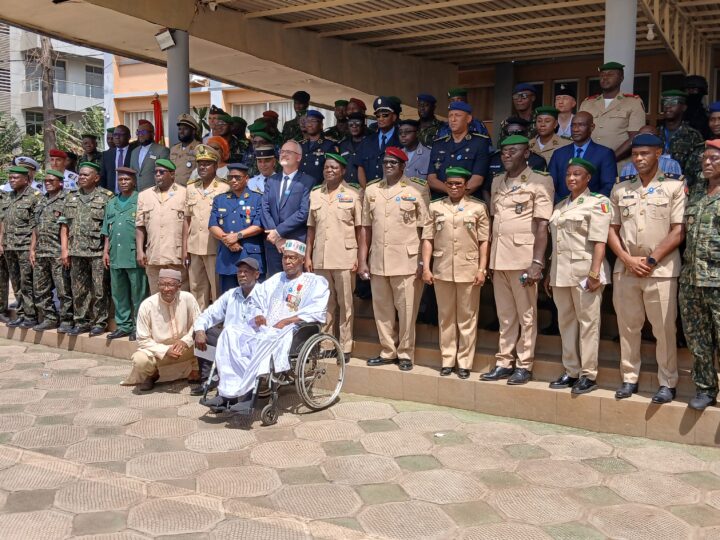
(313, 158)
(476, 126)
(234, 214)
(471, 153)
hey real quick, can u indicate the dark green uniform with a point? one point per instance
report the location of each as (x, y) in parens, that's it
(83, 214)
(427, 135)
(95, 157)
(681, 143)
(238, 149)
(128, 281)
(700, 286)
(335, 134)
(18, 215)
(291, 130)
(693, 168)
(48, 273)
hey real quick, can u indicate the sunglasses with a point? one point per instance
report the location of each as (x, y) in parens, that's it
(383, 115)
(390, 163)
(142, 132)
(521, 95)
(160, 172)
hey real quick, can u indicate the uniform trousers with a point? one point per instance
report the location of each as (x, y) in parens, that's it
(153, 275)
(145, 364)
(341, 283)
(579, 322)
(21, 276)
(458, 306)
(129, 288)
(633, 298)
(700, 310)
(49, 274)
(203, 279)
(273, 260)
(90, 282)
(4, 284)
(517, 313)
(391, 294)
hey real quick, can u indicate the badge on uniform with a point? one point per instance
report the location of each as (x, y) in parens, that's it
(626, 212)
(188, 165)
(519, 208)
(470, 225)
(397, 199)
(581, 200)
(651, 190)
(248, 209)
(605, 208)
(221, 221)
(181, 214)
(514, 188)
(409, 198)
(691, 220)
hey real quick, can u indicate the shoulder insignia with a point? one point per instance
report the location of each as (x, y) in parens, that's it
(419, 181)
(107, 192)
(538, 171)
(476, 134)
(632, 95)
(627, 178)
(476, 199)
(443, 138)
(564, 198)
(673, 176)
(373, 182)
(255, 190)
(354, 186)
(594, 96)
(319, 186)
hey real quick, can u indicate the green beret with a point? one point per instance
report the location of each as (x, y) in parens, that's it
(110, 130)
(341, 102)
(584, 163)
(547, 110)
(262, 135)
(237, 119)
(18, 169)
(90, 164)
(514, 139)
(225, 118)
(56, 174)
(336, 157)
(457, 92)
(674, 95)
(165, 163)
(457, 172)
(257, 125)
(611, 65)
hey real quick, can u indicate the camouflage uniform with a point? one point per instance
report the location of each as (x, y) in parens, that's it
(95, 157)
(4, 274)
(428, 134)
(238, 149)
(693, 169)
(335, 135)
(18, 215)
(681, 143)
(531, 131)
(83, 215)
(49, 273)
(291, 130)
(700, 286)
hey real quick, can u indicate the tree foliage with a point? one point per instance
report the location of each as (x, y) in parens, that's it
(10, 138)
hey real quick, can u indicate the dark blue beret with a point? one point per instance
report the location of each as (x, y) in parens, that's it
(237, 166)
(427, 98)
(524, 87)
(714, 107)
(460, 106)
(646, 139)
(315, 114)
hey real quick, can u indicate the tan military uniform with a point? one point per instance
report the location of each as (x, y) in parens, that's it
(201, 245)
(162, 215)
(514, 203)
(645, 214)
(613, 123)
(549, 148)
(184, 159)
(456, 231)
(576, 226)
(395, 214)
(334, 252)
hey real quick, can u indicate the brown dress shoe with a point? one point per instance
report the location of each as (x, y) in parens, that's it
(194, 376)
(149, 383)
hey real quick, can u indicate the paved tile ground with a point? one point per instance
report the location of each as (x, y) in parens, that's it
(81, 456)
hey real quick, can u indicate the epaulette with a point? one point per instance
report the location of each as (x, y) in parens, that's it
(632, 95)
(107, 192)
(594, 96)
(256, 190)
(564, 198)
(477, 199)
(354, 185)
(476, 134)
(545, 173)
(626, 178)
(419, 181)
(673, 176)
(444, 138)
(373, 182)
(319, 186)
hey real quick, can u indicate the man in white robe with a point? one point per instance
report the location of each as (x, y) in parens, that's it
(244, 350)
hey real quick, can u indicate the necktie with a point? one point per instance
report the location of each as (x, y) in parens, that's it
(578, 152)
(384, 142)
(284, 186)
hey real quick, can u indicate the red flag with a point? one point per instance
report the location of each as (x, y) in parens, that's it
(158, 117)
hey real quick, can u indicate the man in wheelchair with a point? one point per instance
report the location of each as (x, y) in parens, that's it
(247, 349)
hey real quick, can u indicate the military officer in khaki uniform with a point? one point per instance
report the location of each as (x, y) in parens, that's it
(547, 140)
(579, 227)
(647, 228)
(333, 228)
(200, 247)
(521, 203)
(618, 117)
(159, 226)
(182, 154)
(455, 236)
(394, 212)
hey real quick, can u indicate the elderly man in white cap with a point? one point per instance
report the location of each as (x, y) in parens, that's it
(244, 350)
(164, 334)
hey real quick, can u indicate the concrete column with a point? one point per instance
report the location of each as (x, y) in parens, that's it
(178, 81)
(620, 30)
(502, 96)
(109, 91)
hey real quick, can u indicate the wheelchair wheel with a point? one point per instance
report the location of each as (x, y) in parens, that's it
(264, 390)
(269, 415)
(320, 371)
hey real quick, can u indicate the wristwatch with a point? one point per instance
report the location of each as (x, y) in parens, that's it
(240, 235)
(651, 262)
(594, 275)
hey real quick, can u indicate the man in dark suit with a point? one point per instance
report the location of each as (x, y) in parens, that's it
(117, 156)
(372, 149)
(285, 205)
(584, 147)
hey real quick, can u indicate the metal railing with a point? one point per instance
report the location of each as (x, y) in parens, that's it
(66, 87)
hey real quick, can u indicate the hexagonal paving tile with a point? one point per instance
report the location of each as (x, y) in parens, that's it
(107, 416)
(34, 358)
(99, 450)
(157, 401)
(100, 495)
(247, 481)
(554, 473)
(473, 457)
(442, 487)
(166, 465)
(193, 410)
(175, 516)
(107, 371)
(38, 473)
(498, 433)
(713, 499)
(406, 520)
(317, 501)
(15, 422)
(122, 535)
(20, 397)
(422, 421)
(40, 524)
(162, 428)
(535, 505)
(363, 410)
(284, 454)
(653, 488)
(43, 436)
(661, 459)
(9, 456)
(504, 531)
(266, 528)
(574, 446)
(360, 469)
(21, 375)
(64, 382)
(106, 391)
(329, 430)
(52, 407)
(623, 522)
(217, 440)
(71, 363)
(396, 443)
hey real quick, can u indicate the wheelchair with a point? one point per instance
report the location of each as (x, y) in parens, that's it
(317, 371)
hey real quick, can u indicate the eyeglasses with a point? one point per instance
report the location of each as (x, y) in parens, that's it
(236, 177)
(382, 115)
(354, 123)
(521, 95)
(390, 163)
(455, 184)
(160, 172)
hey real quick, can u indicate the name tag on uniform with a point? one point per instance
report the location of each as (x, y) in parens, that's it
(346, 200)
(519, 207)
(628, 196)
(222, 209)
(409, 198)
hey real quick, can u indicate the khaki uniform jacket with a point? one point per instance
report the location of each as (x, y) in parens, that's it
(198, 205)
(184, 160)
(645, 215)
(163, 222)
(548, 150)
(335, 220)
(625, 113)
(575, 227)
(456, 231)
(514, 203)
(395, 214)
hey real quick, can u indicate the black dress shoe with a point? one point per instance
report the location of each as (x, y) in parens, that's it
(117, 334)
(566, 381)
(77, 330)
(28, 323)
(4, 318)
(65, 328)
(14, 305)
(405, 365)
(444, 372)
(149, 383)
(132, 337)
(214, 402)
(702, 401)
(520, 376)
(97, 331)
(626, 390)
(551, 329)
(463, 373)
(380, 361)
(45, 325)
(663, 395)
(15, 322)
(584, 385)
(497, 373)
